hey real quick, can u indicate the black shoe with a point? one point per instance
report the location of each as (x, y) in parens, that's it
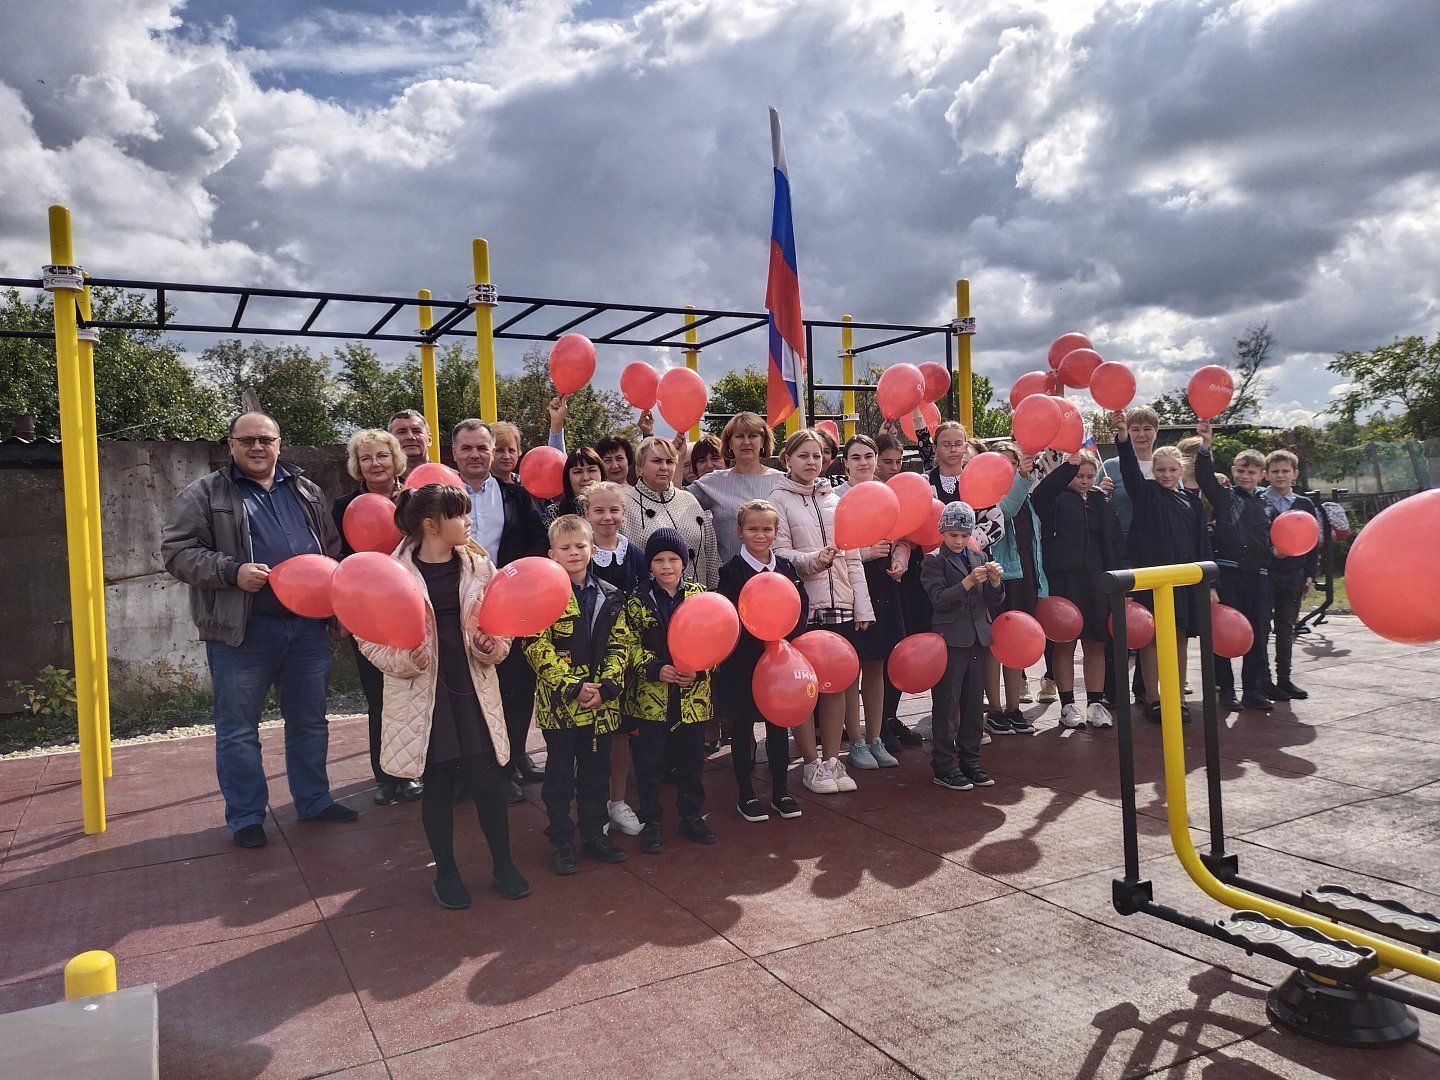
(410, 790)
(890, 741)
(251, 836)
(1020, 724)
(711, 746)
(562, 858)
(955, 780)
(787, 806)
(511, 883)
(450, 892)
(526, 772)
(516, 795)
(334, 812)
(998, 724)
(650, 842)
(696, 829)
(979, 777)
(1293, 691)
(1275, 693)
(752, 810)
(604, 849)
(1229, 702)
(1253, 699)
(1152, 711)
(386, 792)
(903, 734)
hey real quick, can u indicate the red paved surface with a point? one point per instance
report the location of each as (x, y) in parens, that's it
(899, 930)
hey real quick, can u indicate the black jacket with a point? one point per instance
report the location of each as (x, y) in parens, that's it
(524, 533)
(1066, 521)
(1242, 519)
(740, 664)
(1168, 526)
(1298, 567)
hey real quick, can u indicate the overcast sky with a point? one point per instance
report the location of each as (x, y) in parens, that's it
(1159, 176)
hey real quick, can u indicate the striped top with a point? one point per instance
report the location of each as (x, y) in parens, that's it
(723, 493)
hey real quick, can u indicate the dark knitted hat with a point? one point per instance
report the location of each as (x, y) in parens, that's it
(666, 540)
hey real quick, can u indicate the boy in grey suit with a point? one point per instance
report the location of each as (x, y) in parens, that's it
(961, 586)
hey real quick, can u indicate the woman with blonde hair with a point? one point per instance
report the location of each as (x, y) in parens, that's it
(745, 443)
(656, 503)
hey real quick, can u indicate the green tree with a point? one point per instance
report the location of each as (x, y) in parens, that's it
(1403, 374)
(287, 381)
(990, 421)
(369, 393)
(736, 392)
(144, 389)
(1252, 353)
(524, 400)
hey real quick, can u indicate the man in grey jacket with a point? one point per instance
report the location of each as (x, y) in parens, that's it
(226, 532)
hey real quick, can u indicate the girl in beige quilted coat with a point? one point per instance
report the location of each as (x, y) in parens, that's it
(443, 721)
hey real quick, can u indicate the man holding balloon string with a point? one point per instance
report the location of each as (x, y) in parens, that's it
(225, 532)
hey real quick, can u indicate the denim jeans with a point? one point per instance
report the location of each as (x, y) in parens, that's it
(293, 655)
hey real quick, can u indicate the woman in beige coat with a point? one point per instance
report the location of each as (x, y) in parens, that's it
(443, 721)
(834, 585)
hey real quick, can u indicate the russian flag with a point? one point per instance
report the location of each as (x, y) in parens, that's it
(782, 296)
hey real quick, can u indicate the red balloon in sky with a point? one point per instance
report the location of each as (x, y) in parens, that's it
(682, 397)
(1067, 343)
(572, 363)
(1071, 435)
(639, 382)
(1032, 382)
(1036, 422)
(1210, 391)
(900, 390)
(929, 412)
(1077, 366)
(937, 380)
(1112, 386)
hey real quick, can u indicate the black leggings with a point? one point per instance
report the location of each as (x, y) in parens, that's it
(742, 754)
(488, 783)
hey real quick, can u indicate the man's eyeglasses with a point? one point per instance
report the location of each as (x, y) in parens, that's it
(255, 440)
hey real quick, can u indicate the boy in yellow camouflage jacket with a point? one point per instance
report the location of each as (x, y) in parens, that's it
(579, 667)
(671, 706)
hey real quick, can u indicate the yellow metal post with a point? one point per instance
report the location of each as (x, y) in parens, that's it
(77, 539)
(100, 646)
(90, 973)
(963, 389)
(428, 391)
(692, 358)
(484, 334)
(847, 376)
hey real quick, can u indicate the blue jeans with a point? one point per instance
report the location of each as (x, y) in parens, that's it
(293, 655)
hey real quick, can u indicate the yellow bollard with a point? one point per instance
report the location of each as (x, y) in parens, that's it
(963, 387)
(484, 333)
(88, 974)
(100, 647)
(427, 380)
(847, 376)
(77, 545)
(692, 359)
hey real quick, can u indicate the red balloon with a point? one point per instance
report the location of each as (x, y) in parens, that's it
(380, 601)
(831, 427)
(865, 515)
(369, 523)
(927, 536)
(703, 631)
(912, 491)
(937, 380)
(1295, 532)
(1112, 386)
(1019, 640)
(572, 363)
(900, 390)
(1210, 391)
(542, 472)
(929, 412)
(302, 582)
(916, 664)
(986, 480)
(1071, 435)
(1059, 618)
(1066, 343)
(1139, 625)
(1077, 366)
(784, 684)
(1230, 632)
(1390, 571)
(639, 382)
(1032, 382)
(769, 606)
(432, 472)
(832, 658)
(1036, 422)
(524, 597)
(682, 398)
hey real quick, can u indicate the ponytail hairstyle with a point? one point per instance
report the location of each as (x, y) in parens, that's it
(433, 502)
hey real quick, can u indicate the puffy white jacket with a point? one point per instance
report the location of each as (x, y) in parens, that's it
(807, 524)
(410, 690)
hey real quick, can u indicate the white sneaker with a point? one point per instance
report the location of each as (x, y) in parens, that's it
(623, 818)
(817, 777)
(1026, 697)
(984, 737)
(840, 776)
(1099, 716)
(1048, 693)
(1070, 716)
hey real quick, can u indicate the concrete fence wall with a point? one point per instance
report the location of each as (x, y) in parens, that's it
(152, 643)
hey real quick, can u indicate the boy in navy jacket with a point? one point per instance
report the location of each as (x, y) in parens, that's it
(1291, 577)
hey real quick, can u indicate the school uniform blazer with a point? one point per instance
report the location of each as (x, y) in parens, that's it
(740, 664)
(961, 616)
